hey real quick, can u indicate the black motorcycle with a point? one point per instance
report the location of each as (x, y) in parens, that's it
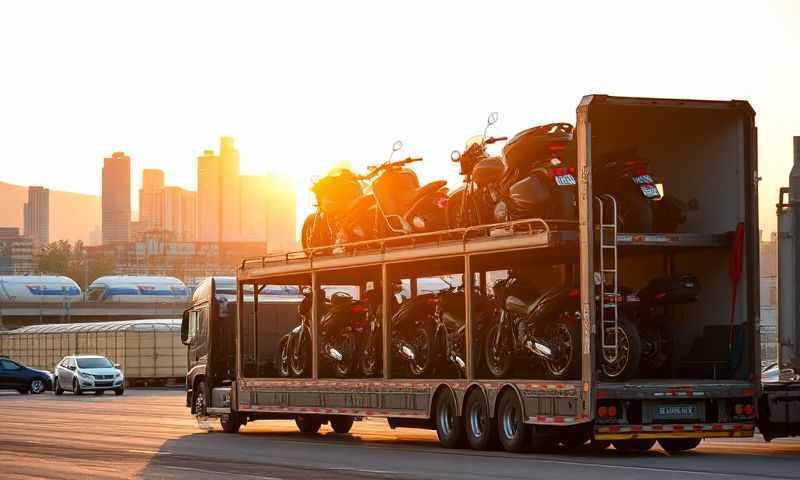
(413, 332)
(533, 323)
(450, 336)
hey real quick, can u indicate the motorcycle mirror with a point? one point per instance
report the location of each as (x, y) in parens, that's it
(397, 145)
(492, 118)
(455, 155)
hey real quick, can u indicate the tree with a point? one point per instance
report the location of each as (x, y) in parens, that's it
(75, 262)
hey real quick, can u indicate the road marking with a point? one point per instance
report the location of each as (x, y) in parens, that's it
(217, 472)
(150, 452)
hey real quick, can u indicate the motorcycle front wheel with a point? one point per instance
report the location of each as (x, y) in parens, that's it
(498, 353)
(282, 357)
(315, 232)
(629, 351)
(565, 337)
(300, 358)
(422, 343)
(345, 343)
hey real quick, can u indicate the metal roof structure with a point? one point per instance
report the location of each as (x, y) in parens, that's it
(136, 325)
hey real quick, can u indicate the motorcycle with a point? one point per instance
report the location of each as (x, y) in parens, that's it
(342, 328)
(372, 355)
(533, 323)
(413, 331)
(336, 193)
(539, 181)
(473, 202)
(450, 333)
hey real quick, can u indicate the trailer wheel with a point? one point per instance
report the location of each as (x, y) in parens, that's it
(449, 427)
(308, 423)
(231, 423)
(632, 446)
(676, 445)
(512, 430)
(481, 430)
(341, 423)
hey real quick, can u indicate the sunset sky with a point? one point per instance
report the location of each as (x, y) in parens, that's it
(303, 85)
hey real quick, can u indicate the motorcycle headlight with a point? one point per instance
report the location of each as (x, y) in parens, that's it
(501, 212)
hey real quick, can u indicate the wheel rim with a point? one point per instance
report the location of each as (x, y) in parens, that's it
(37, 386)
(615, 368)
(446, 418)
(200, 403)
(496, 355)
(284, 365)
(477, 419)
(562, 339)
(346, 344)
(298, 357)
(510, 420)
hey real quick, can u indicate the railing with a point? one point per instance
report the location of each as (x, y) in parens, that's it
(528, 226)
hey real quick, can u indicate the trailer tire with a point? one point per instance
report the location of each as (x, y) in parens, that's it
(480, 428)
(512, 430)
(231, 423)
(449, 426)
(308, 423)
(677, 445)
(633, 446)
(341, 423)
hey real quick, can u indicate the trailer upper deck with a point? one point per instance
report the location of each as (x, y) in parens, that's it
(545, 237)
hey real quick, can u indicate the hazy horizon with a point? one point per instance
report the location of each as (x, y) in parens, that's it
(163, 82)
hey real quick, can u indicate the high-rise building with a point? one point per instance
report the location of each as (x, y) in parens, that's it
(116, 198)
(208, 198)
(254, 208)
(281, 212)
(16, 252)
(230, 188)
(179, 213)
(151, 198)
(37, 215)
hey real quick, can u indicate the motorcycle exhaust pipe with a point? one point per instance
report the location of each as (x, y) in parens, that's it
(333, 354)
(406, 351)
(458, 361)
(540, 348)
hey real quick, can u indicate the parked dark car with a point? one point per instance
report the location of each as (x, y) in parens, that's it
(15, 376)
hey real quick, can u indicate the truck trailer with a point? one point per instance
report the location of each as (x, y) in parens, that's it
(698, 361)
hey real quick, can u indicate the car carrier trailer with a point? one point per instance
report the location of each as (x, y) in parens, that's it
(704, 152)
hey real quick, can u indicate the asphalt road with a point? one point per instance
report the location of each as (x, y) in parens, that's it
(149, 434)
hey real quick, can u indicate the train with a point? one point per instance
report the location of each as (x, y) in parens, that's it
(137, 289)
(38, 289)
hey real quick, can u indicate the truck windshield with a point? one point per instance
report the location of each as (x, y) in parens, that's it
(94, 363)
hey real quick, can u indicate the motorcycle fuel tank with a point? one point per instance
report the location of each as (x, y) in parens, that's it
(395, 189)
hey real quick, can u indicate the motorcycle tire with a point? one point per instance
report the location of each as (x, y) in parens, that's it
(658, 341)
(315, 233)
(461, 215)
(282, 368)
(564, 334)
(629, 353)
(499, 358)
(346, 343)
(300, 362)
(422, 340)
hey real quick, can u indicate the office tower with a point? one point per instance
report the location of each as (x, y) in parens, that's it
(254, 208)
(151, 199)
(179, 213)
(116, 199)
(37, 216)
(230, 189)
(208, 197)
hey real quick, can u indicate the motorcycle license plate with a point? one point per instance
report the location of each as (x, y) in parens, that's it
(676, 412)
(650, 191)
(564, 180)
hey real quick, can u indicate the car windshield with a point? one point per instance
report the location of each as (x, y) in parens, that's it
(94, 363)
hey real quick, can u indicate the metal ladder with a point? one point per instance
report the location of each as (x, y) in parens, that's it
(609, 276)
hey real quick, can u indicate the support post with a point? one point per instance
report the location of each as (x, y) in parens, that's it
(315, 309)
(469, 282)
(386, 288)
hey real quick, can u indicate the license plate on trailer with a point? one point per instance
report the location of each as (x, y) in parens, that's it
(676, 412)
(563, 180)
(650, 191)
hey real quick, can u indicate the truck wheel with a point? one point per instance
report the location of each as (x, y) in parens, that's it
(512, 430)
(449, 427)
(632, 446)
(675, 445)
(200, 399)
(341, 423)
(481, 429)
(629, 352)
(231, 423)
(308, 423)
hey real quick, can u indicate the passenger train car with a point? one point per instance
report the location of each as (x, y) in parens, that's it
(38, 289)
(137, 289)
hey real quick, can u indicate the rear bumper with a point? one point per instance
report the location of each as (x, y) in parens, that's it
(656, 431)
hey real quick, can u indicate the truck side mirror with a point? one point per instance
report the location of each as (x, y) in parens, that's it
(185, 328)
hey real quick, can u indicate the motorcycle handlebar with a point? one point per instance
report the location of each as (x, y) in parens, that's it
(374, 170)
(491, 140)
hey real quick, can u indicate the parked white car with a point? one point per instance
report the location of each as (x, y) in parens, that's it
(88, 373)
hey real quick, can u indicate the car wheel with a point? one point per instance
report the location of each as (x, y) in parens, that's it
(76, 387)
(119, 391)
(36, 387)
(58, 390)
(23, 391)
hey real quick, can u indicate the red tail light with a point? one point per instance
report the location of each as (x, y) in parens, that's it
(556, 146)
(571, 170)
(358, 308)
(573, 293)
